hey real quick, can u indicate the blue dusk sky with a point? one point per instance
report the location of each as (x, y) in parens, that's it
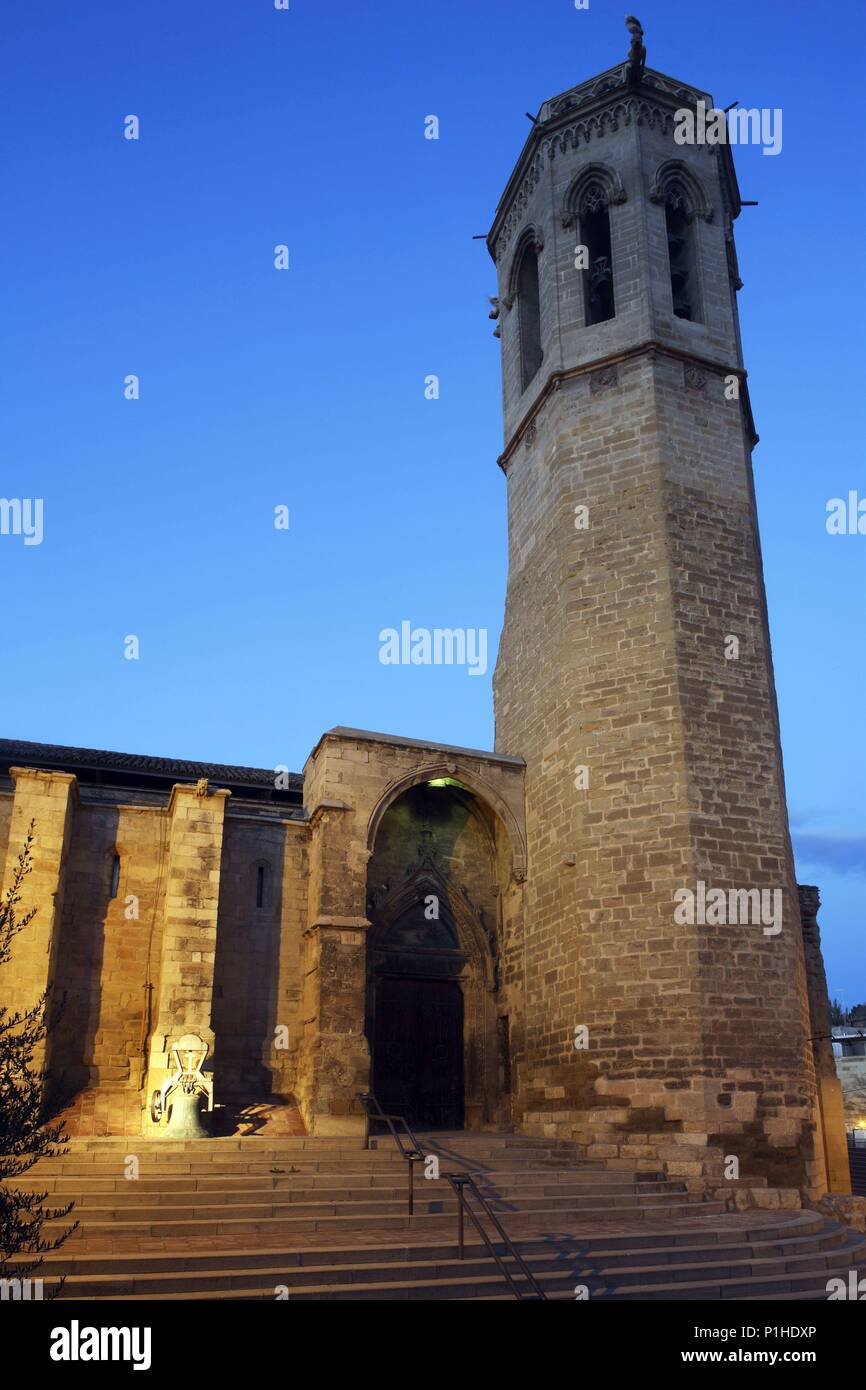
(305, 387)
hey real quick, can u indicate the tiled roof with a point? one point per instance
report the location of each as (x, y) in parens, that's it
(138, 765)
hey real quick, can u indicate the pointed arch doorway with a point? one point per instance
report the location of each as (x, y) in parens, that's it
(416, 1027)
(433, 1011)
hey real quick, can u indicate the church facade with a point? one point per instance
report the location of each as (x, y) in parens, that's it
(593, 932)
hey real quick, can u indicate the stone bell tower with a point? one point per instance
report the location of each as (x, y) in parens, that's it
(634, 673)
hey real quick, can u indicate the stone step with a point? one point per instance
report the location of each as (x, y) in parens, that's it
(513, 1179)
(386, 1201)
(308, 1144)
(730, 1284)
(206, 1159)
(142, 1143)
(780, 1246)
(327, 1219)
(147, 1192)
(263, 1282)
(448, 1288)
(749, 1265)
(677, 1244)
(547, 1267)
(277, 1228)
(48, 1171)
(483, 1280)
(806, 1296)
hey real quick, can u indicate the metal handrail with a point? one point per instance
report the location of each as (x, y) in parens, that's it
(413, 1154)
(374, 1111)
(457, 1182)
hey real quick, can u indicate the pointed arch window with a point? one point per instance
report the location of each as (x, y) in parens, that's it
(682, 257)
(594, 217)
(115, 876)
(684, 199)
(588, 201)
(528, 292)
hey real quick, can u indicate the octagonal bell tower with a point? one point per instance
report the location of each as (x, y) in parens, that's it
(634, 672)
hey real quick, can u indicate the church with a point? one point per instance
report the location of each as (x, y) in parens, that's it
(490, 940)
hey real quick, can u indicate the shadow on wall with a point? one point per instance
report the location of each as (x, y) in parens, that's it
(247, 965)
(77, 1055)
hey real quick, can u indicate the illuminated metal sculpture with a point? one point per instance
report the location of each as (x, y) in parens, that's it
(180, 1095)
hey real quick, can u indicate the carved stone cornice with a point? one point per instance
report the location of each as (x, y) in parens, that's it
(630, 110)
(615, 79)
(323, 809)
(36, 774)
(574, 131)
(340, 924)
(650, 348)
(181, 789)
(517, 209)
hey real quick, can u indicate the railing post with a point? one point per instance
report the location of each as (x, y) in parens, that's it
(458, 1183)
(457, 1187)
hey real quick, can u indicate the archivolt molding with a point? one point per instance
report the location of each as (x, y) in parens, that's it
(629, 111)
(530, 236)
(597, 185)
(676, 185)
(531, 179)
(479, 944)
(478, 785)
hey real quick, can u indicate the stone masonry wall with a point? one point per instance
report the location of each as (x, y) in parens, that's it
(349, 781)
(104, 955)
(109, 947)
(257, 977)
(5, 822)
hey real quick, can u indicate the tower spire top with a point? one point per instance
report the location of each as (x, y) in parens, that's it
(636, 52)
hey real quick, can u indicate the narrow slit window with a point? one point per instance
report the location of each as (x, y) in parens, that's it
(529, 302)
(115, 876)
(260, 886)
(598, 275)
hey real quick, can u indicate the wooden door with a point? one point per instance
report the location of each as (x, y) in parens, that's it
(418, 1051)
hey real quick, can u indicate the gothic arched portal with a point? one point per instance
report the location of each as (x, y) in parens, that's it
(432, 960)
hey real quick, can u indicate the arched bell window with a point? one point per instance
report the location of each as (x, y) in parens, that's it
(529, 314)
(682, 256)
(594, 190)
(594, 216)
(684, 199)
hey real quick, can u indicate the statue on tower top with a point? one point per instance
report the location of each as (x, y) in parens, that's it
(636, 53)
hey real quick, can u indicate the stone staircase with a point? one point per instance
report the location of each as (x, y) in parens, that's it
(308, 1218)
